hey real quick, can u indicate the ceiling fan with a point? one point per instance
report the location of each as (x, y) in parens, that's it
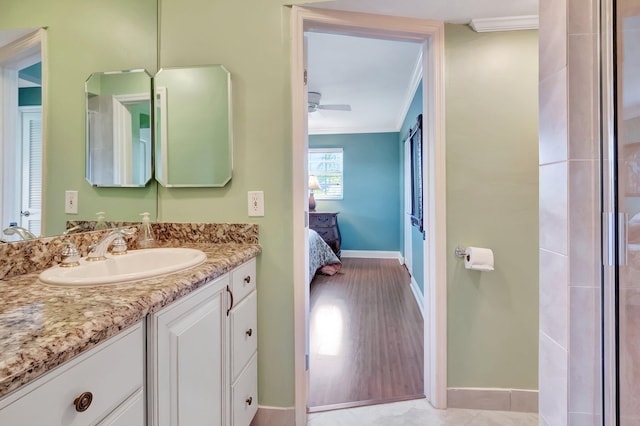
(314, 104)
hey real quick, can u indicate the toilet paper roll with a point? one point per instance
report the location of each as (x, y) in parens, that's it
(478, 259)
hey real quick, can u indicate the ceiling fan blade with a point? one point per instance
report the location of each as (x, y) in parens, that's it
(337, 107)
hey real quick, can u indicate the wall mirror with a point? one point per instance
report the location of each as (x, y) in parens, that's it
(193, 126)
(118, 126)
(21, 136)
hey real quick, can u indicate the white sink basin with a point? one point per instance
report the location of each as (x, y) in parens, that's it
(135, 265)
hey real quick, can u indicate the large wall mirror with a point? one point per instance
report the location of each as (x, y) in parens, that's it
(193, 126)
(21, 136)
(118, 126)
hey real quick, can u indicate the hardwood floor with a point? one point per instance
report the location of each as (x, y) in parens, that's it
(366, 336)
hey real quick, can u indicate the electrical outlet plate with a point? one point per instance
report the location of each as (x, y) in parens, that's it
(256, 203)
(71, 202)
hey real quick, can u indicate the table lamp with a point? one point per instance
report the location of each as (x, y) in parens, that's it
(313, 184)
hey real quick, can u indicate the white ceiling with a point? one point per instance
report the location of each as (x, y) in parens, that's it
(378, 77)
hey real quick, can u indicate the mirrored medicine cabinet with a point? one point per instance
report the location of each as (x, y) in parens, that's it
(184, 132)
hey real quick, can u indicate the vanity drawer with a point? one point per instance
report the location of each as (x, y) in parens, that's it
(244, 336)
(244, 395)
(112, 372)
(243, 280)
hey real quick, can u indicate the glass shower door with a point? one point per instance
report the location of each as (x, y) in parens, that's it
(627, 203)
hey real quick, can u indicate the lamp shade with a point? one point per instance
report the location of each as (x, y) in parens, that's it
(313, 182)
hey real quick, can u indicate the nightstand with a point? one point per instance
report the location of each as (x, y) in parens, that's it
(326, 225)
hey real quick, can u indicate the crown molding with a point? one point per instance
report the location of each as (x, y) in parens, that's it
(416, 78)
(509, 23)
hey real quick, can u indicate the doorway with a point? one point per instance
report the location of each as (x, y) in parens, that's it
(21, 132)
(430, 33)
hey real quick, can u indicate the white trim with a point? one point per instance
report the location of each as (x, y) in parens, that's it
(509, 23)
(372, 254)
(431, 34)
(418, 295)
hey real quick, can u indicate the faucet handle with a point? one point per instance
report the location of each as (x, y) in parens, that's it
(119, 246)
(70, 255)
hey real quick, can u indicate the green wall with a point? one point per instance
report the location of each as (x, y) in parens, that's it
(252, 42)
(81, 38)
(492, 201)
(370, 209)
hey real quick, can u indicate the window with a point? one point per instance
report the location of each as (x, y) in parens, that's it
(326, 164)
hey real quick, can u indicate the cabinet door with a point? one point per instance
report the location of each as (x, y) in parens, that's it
(188, 375)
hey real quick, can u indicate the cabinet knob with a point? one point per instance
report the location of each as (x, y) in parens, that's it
(249, 400)
(247, 279)
(249, 332)
(83, 401)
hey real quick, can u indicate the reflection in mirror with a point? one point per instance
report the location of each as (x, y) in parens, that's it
(193, 126)
(118, 128)
(21, 140)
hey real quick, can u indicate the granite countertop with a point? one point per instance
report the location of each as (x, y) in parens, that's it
(43, 326)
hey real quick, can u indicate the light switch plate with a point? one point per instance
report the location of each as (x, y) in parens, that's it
(256, 203)
(71, 202)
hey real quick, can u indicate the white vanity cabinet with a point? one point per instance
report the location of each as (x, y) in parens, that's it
(199, 356)
(101, 386)
(202, 364)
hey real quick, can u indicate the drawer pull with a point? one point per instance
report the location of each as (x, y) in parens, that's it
(247, 279)
(249, 400)
(83, 401)
(231, 296)
(249, 332)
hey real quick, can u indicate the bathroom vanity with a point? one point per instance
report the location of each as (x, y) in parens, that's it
(179, 349)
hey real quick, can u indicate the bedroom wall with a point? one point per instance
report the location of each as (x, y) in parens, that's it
(417, 242)
(370, 210)
(492, 201)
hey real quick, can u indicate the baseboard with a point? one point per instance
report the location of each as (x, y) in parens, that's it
(418, 295)
(372, 254)
(522, 400)
(274, 416)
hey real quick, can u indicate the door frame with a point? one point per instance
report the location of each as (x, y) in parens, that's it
(431, 34)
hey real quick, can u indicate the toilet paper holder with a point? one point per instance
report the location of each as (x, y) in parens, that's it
(460, 252)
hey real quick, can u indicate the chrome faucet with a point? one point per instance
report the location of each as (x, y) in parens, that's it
(119, 244)
(22, 232)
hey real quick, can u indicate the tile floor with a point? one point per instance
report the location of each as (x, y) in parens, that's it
(419, 413)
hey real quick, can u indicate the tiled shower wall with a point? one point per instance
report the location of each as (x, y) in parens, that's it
(569, 367)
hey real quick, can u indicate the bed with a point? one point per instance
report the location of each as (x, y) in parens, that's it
(321, 258)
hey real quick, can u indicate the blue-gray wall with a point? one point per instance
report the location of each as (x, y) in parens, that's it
(417, 264)
(370, 210)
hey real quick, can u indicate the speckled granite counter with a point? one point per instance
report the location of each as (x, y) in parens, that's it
(44, 326)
